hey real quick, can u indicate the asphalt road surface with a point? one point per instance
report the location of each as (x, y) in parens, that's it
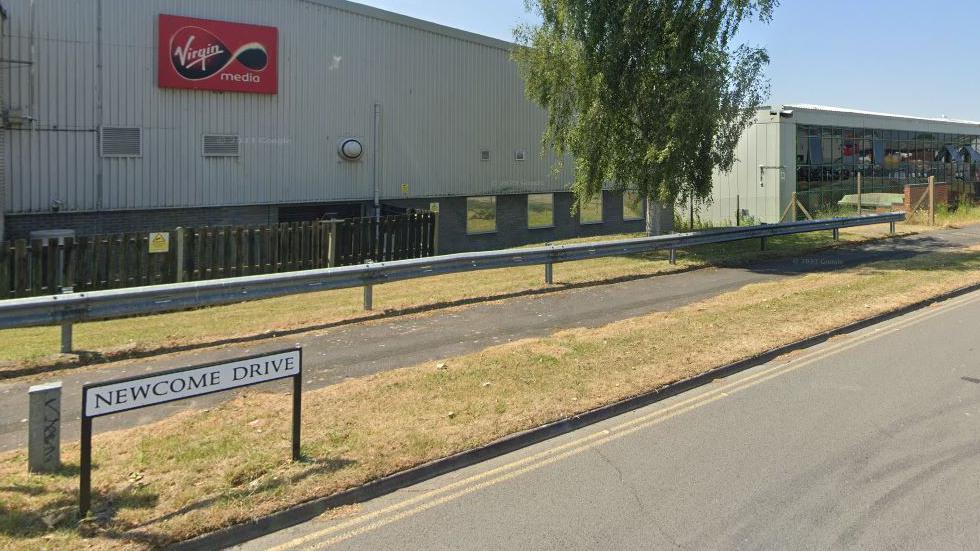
(355, 350)
(870, 441)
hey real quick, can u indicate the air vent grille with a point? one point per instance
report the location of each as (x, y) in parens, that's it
(118, 141)
(221, 145)
(485, 155)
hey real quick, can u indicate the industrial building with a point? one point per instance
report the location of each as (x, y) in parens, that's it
(817, 153)
(144, 116)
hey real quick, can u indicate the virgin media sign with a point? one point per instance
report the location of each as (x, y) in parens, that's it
(201, 54)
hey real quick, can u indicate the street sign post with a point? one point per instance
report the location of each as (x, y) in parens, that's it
(118, 395)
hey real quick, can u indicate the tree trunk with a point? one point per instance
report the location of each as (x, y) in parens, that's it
(655, 214)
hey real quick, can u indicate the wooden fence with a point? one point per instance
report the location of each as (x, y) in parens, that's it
(49, 266)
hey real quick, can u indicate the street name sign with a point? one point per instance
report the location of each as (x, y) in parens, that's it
(119, 395)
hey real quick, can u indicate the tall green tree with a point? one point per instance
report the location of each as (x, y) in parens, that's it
(649, 96)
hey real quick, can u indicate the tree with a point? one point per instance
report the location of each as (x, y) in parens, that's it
(648, 95)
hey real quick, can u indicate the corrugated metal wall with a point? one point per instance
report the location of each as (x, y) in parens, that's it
(443, 98)
(759, 145)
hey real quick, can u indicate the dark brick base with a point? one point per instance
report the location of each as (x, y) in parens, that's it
(512, 227)
(92, 223)
(511, 231)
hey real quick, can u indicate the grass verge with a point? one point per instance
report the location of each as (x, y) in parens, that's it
(200, 471)
(114, 339)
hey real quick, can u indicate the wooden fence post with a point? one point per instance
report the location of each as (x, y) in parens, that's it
(332, 245)
(860, 211)
(435, 234)
(932, 200)
(181, 253)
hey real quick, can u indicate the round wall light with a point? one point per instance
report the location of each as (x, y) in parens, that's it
(351, 149)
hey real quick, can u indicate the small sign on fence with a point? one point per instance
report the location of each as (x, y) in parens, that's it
(159, 242)
(119, 395)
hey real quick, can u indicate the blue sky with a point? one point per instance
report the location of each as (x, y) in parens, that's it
(897, 56)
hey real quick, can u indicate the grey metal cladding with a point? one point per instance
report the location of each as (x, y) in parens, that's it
(446, 95)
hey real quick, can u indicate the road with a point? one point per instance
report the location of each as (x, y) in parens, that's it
(354, 350)
(870, 441)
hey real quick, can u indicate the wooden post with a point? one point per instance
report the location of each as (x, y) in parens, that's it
(435, 235)
(795, 202)
(332, 245)
(738, 210)
(859, 195)
(181, 247)
(932, 200)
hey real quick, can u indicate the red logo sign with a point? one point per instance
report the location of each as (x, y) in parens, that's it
(202, 54)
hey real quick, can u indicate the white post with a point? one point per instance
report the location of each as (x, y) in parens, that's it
(44, 428)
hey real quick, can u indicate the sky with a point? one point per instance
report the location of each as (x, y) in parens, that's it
(895, 56)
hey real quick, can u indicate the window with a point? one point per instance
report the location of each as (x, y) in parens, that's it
(540, 210)
(481, 214)
(519, 155)
(591, 212)
(485, 155)
(632, 206)
(115, 141)
(220, 145)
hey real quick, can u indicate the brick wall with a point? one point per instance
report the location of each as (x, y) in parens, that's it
(512, 230)
(91, 223)
(914, 193)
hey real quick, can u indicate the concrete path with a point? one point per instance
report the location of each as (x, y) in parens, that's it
(359, 349)
(870, 441)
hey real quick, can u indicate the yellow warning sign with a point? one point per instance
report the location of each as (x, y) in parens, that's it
(405, 189)
(159, 242)
(434, 206)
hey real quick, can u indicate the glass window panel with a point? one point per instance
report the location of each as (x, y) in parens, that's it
(632, 206)
(591, 211)
(481, 214)
(540, 210)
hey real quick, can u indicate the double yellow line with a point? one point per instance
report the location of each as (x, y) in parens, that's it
(455, 490)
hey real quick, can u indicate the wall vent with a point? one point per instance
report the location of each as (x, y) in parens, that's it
(121, 141)
(485, 155)
(519, 155)
(221, 145)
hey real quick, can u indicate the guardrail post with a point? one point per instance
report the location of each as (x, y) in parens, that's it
(66, 337)
(891, 227)
(369, 297)
(836, 234)
(673, 256)
(763, 244)
(549, 273)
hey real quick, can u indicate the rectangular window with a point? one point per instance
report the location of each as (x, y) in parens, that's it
(540, 210)
(481, 214)
(591, 212)
(632, 206)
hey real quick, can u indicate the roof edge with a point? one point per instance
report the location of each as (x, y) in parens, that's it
(413, 22)
(845, 110)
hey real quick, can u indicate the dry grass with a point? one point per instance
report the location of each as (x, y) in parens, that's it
(200, 471)
(964, 215)
(102, 341)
